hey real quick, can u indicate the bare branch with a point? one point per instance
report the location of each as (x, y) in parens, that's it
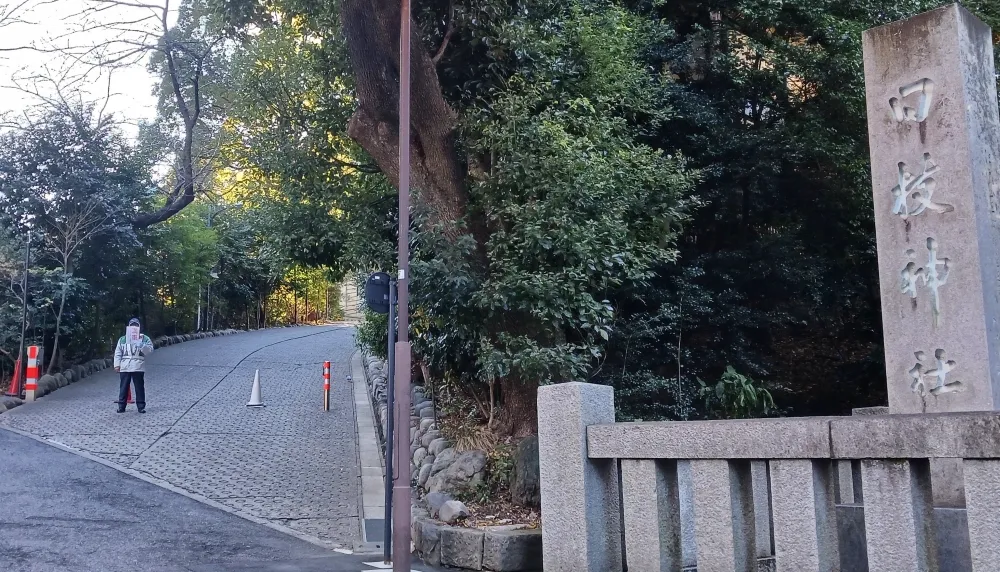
(449, 30)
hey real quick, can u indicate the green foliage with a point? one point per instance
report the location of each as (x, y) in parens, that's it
(736, 396)
(498, 476)
(661, 192)
(372, 335)
(73, 180)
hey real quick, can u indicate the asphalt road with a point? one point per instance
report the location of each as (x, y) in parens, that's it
(62, 513)
(289, 463)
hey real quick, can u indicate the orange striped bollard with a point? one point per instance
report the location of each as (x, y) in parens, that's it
(31, 376)
(326, 386)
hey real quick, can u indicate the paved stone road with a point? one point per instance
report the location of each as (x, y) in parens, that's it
(288, 463)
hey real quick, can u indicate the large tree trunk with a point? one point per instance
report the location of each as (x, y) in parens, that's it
(518, 414)
(438, 175)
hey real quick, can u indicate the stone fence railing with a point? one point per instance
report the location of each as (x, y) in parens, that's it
(613, 494)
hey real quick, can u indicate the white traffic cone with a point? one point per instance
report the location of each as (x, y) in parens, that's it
(255, 400)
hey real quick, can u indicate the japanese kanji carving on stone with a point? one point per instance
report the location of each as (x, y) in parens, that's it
(902, 112)
(933, 275)
(937, 376)
(914, 194)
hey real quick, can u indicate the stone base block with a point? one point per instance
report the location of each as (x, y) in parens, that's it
(512, 550)
(462, 547)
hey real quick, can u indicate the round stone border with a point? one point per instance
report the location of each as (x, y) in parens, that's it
(496, 549)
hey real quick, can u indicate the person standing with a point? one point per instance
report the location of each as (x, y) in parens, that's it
(130, 363)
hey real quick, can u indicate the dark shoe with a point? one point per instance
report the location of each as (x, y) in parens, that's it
(121, 411)
(142, 411)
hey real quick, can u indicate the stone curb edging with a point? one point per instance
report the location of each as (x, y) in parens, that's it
(437, 469)
(49, 383)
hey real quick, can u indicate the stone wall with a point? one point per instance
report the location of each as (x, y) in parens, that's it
(350, 302)
(439, 471)
(49, 383)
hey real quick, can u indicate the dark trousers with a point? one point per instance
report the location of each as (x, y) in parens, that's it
(138, 379)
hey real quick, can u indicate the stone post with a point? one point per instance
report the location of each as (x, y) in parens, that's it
(934, 132)
(899, 519)
(982, 478)
(724, 523)
(581, 514)
(805, 516)
(652, 511)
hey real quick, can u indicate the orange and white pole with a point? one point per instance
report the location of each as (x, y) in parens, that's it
(326, 386)
(31, 376)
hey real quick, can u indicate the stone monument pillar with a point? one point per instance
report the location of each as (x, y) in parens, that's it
(934, 132)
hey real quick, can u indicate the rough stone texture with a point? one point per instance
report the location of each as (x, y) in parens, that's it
(789, 438)
(525, 488)
(899, 520)
(961, 133)
(465, 473)
(443, 460)
(426, 424)
(845, 482)
(952, 530)
(724, 523)
(70, 376)
(804, 516)
(419, 455)
(462, 547)
(438, 445)
(452, 511)
(580, 501)
(435, 501)
(689, 547)
(429, 541)
(423, 475)
(49, 383)
(512, 550)
(429, 438)
(652, 515)
(957, 435)
(982, 490)
(427, 413)
(761, 509)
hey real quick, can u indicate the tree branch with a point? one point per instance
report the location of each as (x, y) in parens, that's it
(449, 29)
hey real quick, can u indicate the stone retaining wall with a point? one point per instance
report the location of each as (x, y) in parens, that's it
(439, 470)
(49, 383)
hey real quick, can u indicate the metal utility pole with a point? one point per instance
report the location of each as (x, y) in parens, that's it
(391, 402)
(401, 476)
(24, 293)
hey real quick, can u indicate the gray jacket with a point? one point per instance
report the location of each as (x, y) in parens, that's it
(131, 357)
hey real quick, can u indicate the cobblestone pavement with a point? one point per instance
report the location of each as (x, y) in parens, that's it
(289, 463)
